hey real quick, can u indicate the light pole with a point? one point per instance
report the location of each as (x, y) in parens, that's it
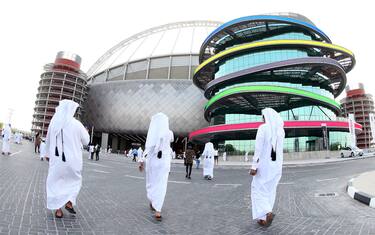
(325, 138)
(10, 114)
(92, 134)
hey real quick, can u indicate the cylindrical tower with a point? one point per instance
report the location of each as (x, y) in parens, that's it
(361, 105)
(282, 61)
(62, 79)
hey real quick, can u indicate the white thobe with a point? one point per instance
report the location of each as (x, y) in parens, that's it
(264, 184)
(64, 179)
(208, 165)
(17, 138)
(139, 154)
(6, 140)
(42, 150)
(157, 172)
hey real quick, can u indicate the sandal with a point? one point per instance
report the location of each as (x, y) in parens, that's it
(262, 223)
(59, 215)
(269, 218)
(70, 209)
(158, 216)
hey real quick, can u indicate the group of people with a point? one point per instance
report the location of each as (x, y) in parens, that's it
(208, 160)
(134, 153)
(94, 149)
(7, 136)
(18, 136)
(66, 136)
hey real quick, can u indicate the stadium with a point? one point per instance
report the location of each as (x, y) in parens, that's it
(147, 73)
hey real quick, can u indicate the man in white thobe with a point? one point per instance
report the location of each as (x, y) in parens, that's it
(158, 154)
(208, 161)
(7, 134)
(64, 143)
(267, 166)
(246, 156)
(140, 153)
(130, 153)
(91, 151)
(16, 137)
(43, 150)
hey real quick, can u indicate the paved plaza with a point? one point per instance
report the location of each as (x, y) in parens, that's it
(310, 200)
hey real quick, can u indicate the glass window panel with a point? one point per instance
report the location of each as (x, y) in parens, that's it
(180, 60)
(101, 77)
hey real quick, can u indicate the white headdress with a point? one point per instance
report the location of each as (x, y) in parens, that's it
(276, 123)
(7, 128)
(158, 131)
(63, 116)
(208, 149)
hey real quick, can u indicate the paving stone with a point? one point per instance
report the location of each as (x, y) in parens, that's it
(111, 202)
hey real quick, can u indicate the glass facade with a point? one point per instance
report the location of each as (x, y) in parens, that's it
(314, 89)
(163, 67)
(307, 113)
(274, 26)
(295, 144)
(246, 61)
(337, 140)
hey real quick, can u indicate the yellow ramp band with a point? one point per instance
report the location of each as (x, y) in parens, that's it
(253, 45)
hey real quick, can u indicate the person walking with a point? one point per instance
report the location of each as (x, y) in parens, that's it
(157, 155)
(38, 139)
(91, 151)
(130, 153)
(216, 157)
(189, 156)
(7, 133)
(208, 161)
(43, 150)
(135, 154)
(65, 138)
(266, 167)
(139, 152)
(197, 159)
(97, 151)
(246, 156)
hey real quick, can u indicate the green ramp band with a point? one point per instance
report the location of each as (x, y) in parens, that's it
(272, 89)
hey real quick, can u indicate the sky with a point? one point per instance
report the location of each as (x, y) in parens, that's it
(32, 32)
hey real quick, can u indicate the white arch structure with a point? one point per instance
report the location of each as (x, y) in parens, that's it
(177, 25)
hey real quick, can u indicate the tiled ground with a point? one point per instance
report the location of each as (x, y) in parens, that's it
(113, 200)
